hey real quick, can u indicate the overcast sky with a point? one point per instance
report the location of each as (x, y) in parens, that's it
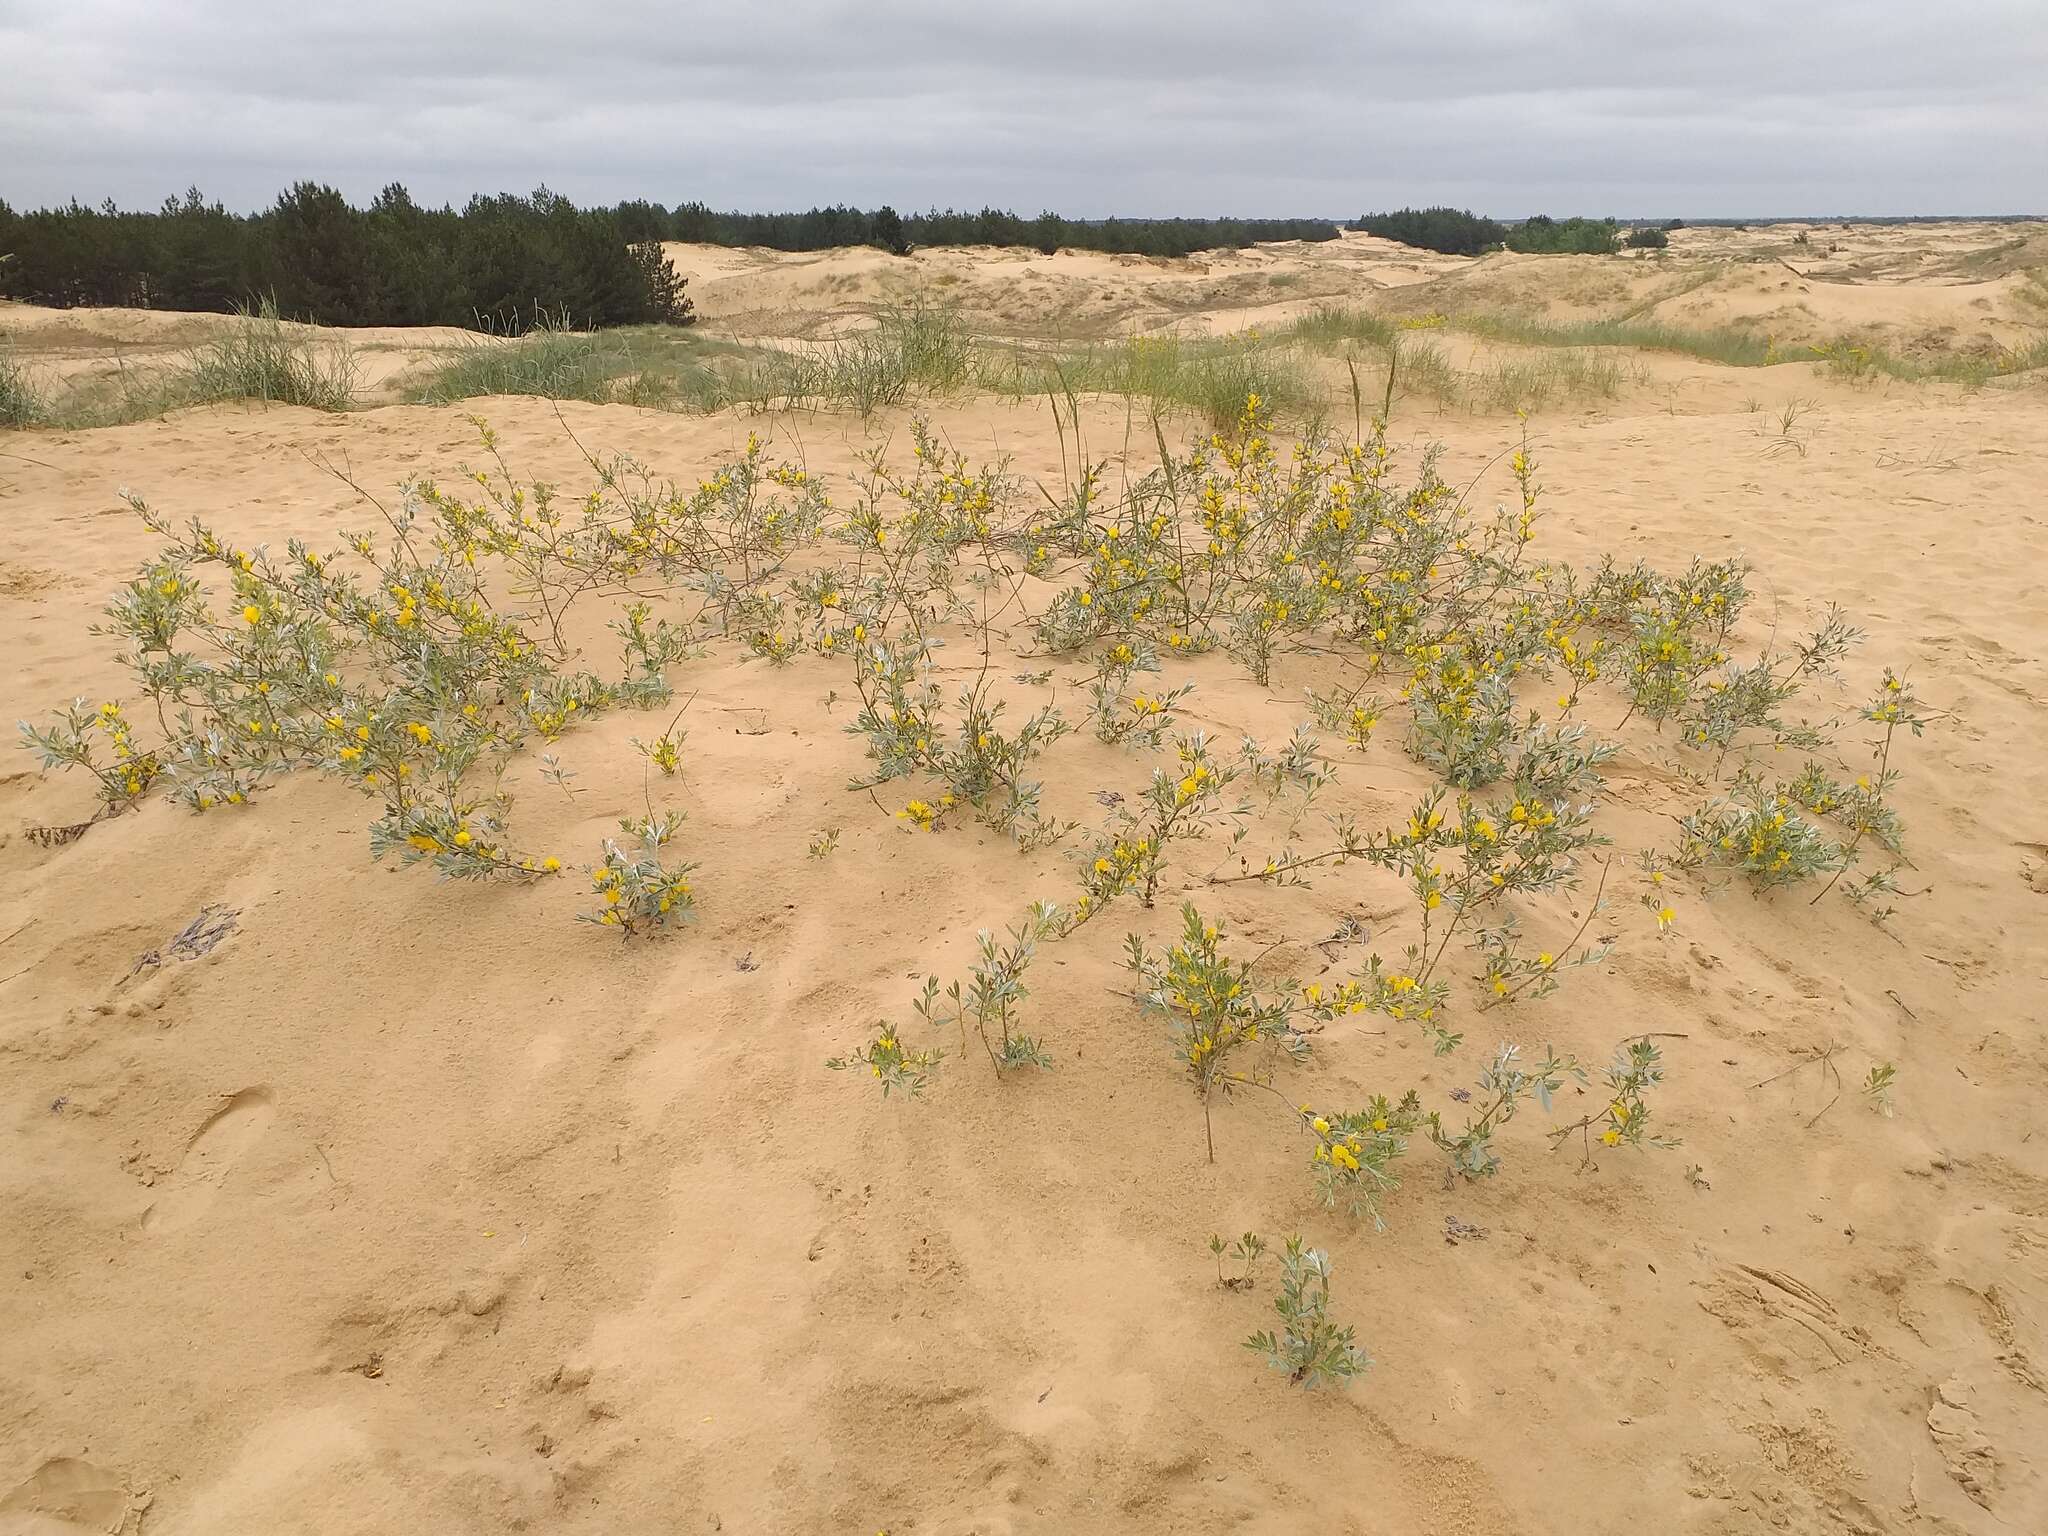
(1629, 107)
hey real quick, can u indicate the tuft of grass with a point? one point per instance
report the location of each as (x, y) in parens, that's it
(913, 347)
(1530, 384)
(256, 356)
(1743, 349)
(21, 403)
(1421, 367)
(553, 363)
(259, 357)
(1329, 326)
(1207, 376)
(1855, 361)
(657, 367)
(1735, 348)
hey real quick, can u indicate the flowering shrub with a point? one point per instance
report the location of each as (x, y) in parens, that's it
(416, 665)
(1221, 1023)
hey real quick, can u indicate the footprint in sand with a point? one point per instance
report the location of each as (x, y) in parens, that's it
(222, 1142)
(66, 1494)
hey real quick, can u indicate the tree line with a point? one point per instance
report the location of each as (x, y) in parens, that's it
(499, 263)
(1458, 232)
(502, 263)
(825, 228)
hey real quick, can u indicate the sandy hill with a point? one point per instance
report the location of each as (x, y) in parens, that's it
(335, 1198)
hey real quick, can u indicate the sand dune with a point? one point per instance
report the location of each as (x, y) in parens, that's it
(396, 1205)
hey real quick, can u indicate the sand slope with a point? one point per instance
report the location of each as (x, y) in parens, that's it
(410, 1206)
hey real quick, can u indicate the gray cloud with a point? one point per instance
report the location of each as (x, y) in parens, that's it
(1144, 107)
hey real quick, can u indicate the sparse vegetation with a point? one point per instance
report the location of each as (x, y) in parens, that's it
(255, 356)
(417, 665)
(1735, 348)
(643, 366)
(1310, 1347)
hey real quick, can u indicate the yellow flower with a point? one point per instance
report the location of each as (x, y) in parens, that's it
(252, 614)
(551, 865)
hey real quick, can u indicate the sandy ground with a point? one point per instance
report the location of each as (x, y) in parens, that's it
(422, 1207)
(1916, 289)
(1925, 291)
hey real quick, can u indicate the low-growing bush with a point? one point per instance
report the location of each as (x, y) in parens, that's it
(1449, 230)
(1554, 237)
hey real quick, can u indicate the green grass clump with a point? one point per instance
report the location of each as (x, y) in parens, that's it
(656, 366)
(1735, 348)
(259, 357)
(553, 364)
(914, 347)
(21, 403)
(1329, 326)
(1856, 361)
(256, 356)
(1531, 383)
(1422, 368)
(1207, 376)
